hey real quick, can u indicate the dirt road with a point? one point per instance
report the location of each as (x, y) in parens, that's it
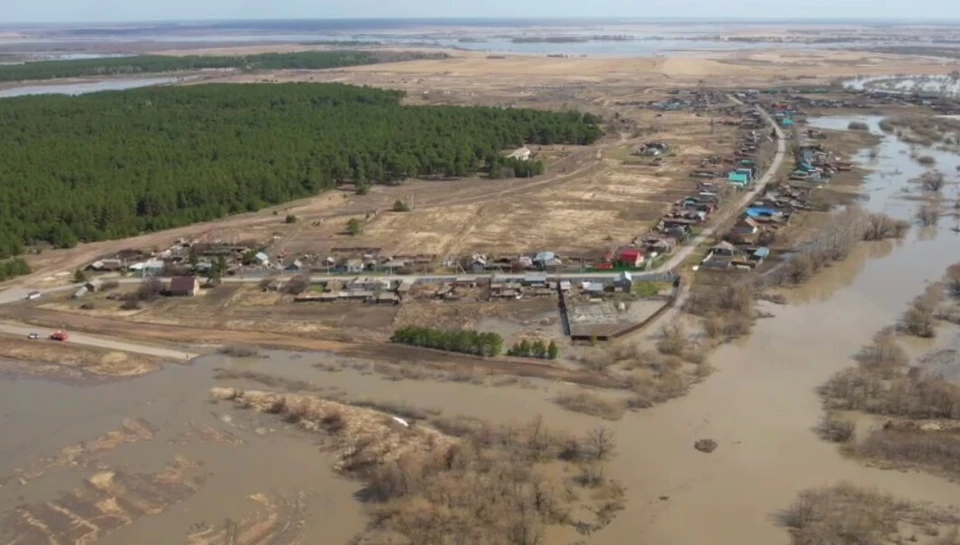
(98, 342)
(683, 253)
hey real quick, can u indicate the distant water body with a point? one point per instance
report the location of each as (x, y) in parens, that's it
(647, 36)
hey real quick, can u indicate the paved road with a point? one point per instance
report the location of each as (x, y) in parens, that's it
(99, 342)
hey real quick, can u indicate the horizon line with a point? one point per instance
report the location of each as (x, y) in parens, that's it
(899, 21)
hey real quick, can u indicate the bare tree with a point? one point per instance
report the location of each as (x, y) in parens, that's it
(600, 443)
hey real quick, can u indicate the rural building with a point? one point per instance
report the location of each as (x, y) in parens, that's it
(184, 286)
(296, 266)
(354, 266)
(724, 249)
(107, 265)
(521, 154)
(149, 267)
(738, 180)
(745, 227)
(262, 259)
(630, 257)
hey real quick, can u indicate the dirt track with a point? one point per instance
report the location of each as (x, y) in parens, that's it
(217, 337)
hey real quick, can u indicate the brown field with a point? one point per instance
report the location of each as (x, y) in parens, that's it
(51, 359)
(591, 198)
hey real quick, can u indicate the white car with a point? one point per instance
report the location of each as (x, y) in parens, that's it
(33, 336)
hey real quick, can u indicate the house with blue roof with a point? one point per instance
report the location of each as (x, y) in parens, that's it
(738, 179)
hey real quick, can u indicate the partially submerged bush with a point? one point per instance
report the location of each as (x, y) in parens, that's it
(835, 429)
(858, 126)
(590, 403)
(933, 450)
(239, 351)
(926, 160)
(928, 215)
(673, 339)
(842, 514)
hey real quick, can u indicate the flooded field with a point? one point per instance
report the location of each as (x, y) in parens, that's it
(946, 85)
(152, 460)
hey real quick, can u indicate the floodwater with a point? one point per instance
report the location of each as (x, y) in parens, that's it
(943, 84)
(760, 406)
(81, 88)
(199, 465)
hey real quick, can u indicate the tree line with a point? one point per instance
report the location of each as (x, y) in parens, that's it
(536, 349)
(462, 341)
(13, 267)
(116, 164)
(151, 64)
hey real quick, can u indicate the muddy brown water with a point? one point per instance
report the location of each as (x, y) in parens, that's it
(232, 456)
(760, 406)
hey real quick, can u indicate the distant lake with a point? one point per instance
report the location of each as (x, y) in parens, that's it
(83, 88)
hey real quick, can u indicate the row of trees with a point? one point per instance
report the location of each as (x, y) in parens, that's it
(463, 341)
(111, 165)
(148, 64)
(12, 268)
(536, 349)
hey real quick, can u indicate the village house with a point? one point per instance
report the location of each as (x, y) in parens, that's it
(521, 154)
(630, 257)
(183, 286)
(745, 228)
(107, 265)
(261, 259)
(353, 266)
(150, 267)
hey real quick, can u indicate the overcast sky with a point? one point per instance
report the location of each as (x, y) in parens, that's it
(15, 11)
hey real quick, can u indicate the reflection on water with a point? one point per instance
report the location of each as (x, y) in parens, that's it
(83, 88)
(838, 275)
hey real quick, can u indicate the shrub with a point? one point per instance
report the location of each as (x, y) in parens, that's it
(149, 290)
(938, 451)
(400, 206)
(673, 340)
(842, 514)
(291, 218)
(882, 227)
(835, 429)
(354, 227)
(926, 160)
(239, 351)
(590, 404)
(928, 215)
(886, 126)
(858, 126)
(108, 285)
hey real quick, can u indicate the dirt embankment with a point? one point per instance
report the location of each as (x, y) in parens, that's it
(56, 360)
(388, 352)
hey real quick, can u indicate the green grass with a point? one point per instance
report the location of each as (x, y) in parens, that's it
(649, 289)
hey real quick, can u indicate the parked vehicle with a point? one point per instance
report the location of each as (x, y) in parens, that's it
(33, 295)
(59, 336)
(33, 336)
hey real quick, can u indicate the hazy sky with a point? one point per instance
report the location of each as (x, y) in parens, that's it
(14, 11)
